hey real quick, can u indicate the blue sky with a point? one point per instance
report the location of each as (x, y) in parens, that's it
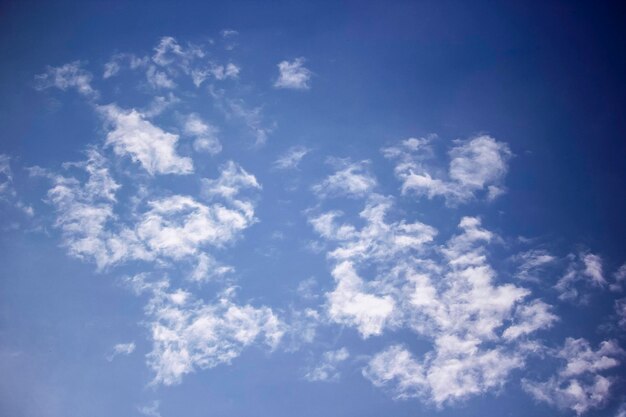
(312, 208)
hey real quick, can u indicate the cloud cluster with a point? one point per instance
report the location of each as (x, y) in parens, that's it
(391, 272)
(579, 385)
(171, 228)
(480, 330)
(189, 334)
(67, 76)
(477, 165)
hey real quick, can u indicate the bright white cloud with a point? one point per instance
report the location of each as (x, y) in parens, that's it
(578, 385)
(293, 75)
(205, 134)
(171, 228)
(232, 180)
(476, 165)
(350, 303)
(350, 179)
(479, 330)
(131, 134)
(448, 376)
(189, 334)
(70, 75)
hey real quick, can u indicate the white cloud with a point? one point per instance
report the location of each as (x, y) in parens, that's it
(167, 51)
(205, 134)
(229, 37)
(378, 240)
(123, 60)
(327, 369)
(578, 385)
(131, 134)
(350, 303)
(176, 227)
(159, 104)
(585, 268)
(70, 75)
(532, 264)
(476, 165)
(111, 68)
(350, 179)
(188, 334)
(121, 349)
(84, 210)
(293, 75)
(208, 268)
(232, 180)
(530, 318)
(446, 377)
(479, 330)
(291, 158)
(159, 79)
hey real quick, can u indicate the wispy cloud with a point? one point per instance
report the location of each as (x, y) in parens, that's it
(579, 384)
(205, 134)
(121, 349)
(326, 370)
(351, 179)
(67, 76)
(292, 157)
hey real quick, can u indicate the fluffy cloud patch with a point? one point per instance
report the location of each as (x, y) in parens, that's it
(479, 329)
(293, 75)
(189, 334)
(172, 228)
(131, 134)
(352, 179)
(477, 165)
(205, 135)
